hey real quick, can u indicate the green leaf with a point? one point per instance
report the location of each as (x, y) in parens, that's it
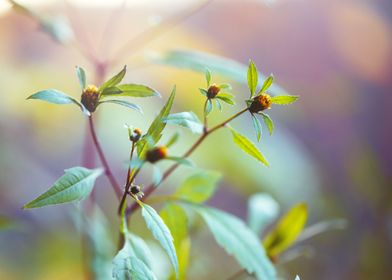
(160, 232)
(208, 107)
(238, 240)
(81, 76)
(208, 77)
(257, 127)
(181, 160)
(185, 119)
(267, 83)
(175, 218)
(115, 80)
(76, 184)
(284, 99)
(225, 86)
(130, 268)
(218, 104)
(130, 90)
(154, 133)
(268, 122)
(286, 231)
(252, 78)
(57, 97)
(172, 140)
(198, 61)
(203, 91)
(248, 147)
(123, 103)
(227, 98)
(198, 187)
(262, 210)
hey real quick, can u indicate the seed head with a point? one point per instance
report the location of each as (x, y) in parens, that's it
(212, 91)
(260, 103)
(90, 98)
(156, 154)
(135, 135)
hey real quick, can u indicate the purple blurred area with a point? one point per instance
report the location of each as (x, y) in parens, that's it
(331, 149)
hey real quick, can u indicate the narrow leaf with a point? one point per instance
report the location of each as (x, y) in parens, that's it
(175, 218)
(123, 103)
(268, 122)
(238, 240)
(225, 86)
(155, 131)
(198, 187)
(287, 230)
(208, 77)
(185, 119)
(76, 184)
(267, 83)
(262, 210)
(130, 90)
(57, 97)
(203, 91)
(227, 98)
(181, 160)
(160, 232)
(115, 80)
(208, 107)
(173, 140)
(321, 227)
(257, 127)
(81, 76)
(284, 99)
(252, 78)
(248, 147)
(218, 104)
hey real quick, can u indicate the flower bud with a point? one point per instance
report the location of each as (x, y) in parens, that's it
(90, 98)
(135, 135)
(135, 190)
(260, 103)
(156, 154)
(212, 91)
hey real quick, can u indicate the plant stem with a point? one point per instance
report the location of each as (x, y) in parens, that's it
(168, 172)
(108, 172)
(126, 191)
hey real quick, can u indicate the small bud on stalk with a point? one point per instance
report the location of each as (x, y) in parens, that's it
(135, 135)
(156, 154)
(260, 103)
(136, 191)
(90, 98)
(212, 91)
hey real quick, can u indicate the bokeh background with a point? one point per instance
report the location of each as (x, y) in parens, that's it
(332, 149)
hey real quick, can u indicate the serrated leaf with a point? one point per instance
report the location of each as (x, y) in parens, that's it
(81, 77)
(267, 83)
(262, 210)
(198, 61)
(130, 268)
(154, 132)
(208, 77)
(129, 90)
(57, 97)
(76, 184)
(268, 122)
(123, 103)
(115, 80)
(198, 187)
(286, 231)
(175, 218)
(284, 99)
(185, 119)
(161, 233)
(248, 147)
(252, 78)
(238, 240)
(208, 107)
(257, 127)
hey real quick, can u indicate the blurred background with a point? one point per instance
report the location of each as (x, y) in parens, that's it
(332, 149)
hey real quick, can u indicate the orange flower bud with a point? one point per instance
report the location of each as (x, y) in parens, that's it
(260, 103)
(156, 154)
(90, 98)
(212, 91)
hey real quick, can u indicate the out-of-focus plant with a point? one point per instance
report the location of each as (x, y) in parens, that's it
(172, 225)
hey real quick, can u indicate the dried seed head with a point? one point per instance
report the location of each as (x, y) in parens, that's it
(135, 190)
(260, 103)
(90, 97)
(156, 154)
(135, 135)
(212, 91)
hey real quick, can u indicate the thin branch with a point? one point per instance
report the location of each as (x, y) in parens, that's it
(207, 132)
(102, 157)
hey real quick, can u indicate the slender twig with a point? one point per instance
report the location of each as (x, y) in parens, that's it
(168, 172)
(108, 172)
(126, 190)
